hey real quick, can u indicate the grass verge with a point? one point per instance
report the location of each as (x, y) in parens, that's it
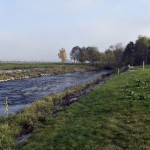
(113, 116)
(35, 116)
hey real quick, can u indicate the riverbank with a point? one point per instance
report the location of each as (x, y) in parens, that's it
(23, 92)
(31, 71)
(113, 116)
(36, 115)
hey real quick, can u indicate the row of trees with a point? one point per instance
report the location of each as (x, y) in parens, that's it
(115, 56)
(83, 54)
(136, 53)
(77, 54)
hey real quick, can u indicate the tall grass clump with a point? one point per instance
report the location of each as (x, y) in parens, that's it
(6, 140)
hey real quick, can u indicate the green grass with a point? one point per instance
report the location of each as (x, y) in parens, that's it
(7, 66)
(30, 65)
(147, 67)
(34, 116)
(26, 65)
(110, 117)
(40, 69)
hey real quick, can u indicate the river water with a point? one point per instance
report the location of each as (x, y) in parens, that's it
(23, 92)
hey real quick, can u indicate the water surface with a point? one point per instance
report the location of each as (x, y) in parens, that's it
(23, 92)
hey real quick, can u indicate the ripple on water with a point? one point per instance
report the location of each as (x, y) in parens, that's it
(23, 92)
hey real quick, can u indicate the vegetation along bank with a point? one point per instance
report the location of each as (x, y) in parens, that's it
(112, 116)
(11, 71)
(34, 117)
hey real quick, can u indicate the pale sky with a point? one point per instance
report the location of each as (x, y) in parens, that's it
(35, 30)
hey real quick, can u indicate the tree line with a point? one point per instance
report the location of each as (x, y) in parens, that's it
(134, 53)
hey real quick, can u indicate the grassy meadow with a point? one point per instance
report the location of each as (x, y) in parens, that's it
(26, 65)
(113, 116)
(32, 65)
(39, 69)
(40, 65)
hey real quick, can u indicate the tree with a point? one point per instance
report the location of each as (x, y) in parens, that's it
(62, 55)
(128, 54)
(82, 55)
(102, 58)
(78, 54)
(92, 54)
(118, 52)
(74, 54)
(109, 58)
(142, 50)
(113, 56)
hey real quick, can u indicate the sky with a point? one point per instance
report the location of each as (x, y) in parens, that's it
(35, 30)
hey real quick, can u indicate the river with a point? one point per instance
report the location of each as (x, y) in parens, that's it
(25, 91)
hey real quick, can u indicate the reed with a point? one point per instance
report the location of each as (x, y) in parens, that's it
(6, 106)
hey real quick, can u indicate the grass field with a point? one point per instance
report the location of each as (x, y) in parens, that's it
(39, 69)
(27, 65)
(20, 65)
(115, 116)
